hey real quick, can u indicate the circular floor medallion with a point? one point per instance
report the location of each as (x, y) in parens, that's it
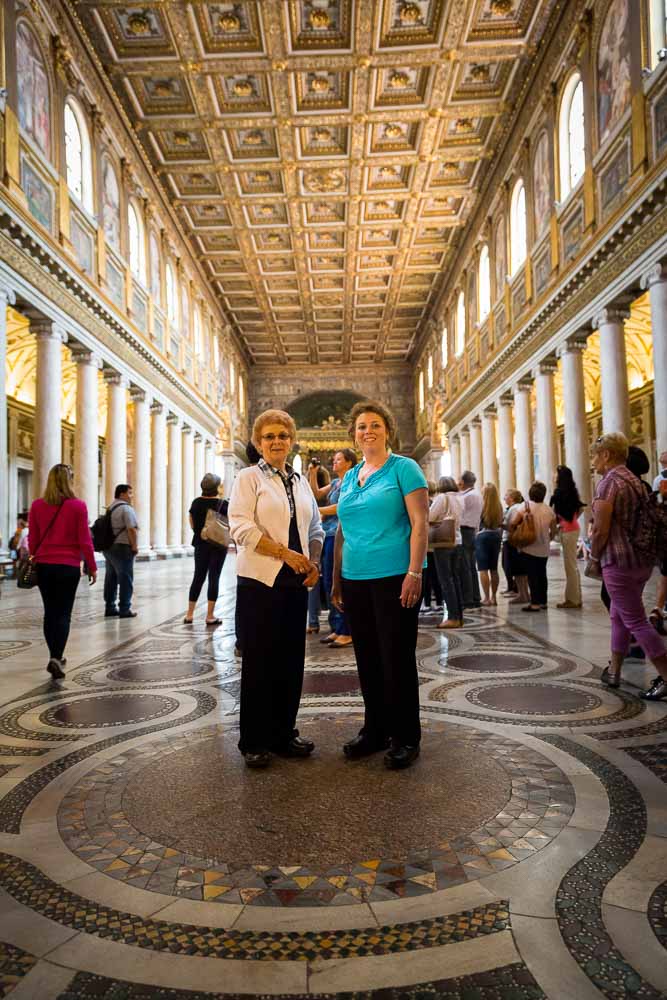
(534, 699)
(331, 682)
(112, 710)
(164, 670)
(493, 663)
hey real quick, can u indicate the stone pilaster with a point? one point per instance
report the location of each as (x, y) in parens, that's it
(86, 441)
(142, 468)
(575, 425)
(115, 459)
(547, 440)
(174, 485)
(159, 480)
(656, 282)
(48, 396)
(523, 420)
(506, 464)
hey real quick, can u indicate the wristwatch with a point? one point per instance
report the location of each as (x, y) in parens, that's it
(415, 576)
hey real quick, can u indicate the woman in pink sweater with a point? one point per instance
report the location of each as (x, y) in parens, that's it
(59, 539)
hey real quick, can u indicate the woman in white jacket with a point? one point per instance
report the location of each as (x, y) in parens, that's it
(275, 521)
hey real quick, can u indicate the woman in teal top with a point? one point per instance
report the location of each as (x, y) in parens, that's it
(379, 554)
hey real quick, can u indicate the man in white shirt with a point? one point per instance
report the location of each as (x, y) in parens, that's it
(470, 518)
(662, 475)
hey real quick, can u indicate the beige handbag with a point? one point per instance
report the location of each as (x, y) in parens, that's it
(216, 530)
(442, 534)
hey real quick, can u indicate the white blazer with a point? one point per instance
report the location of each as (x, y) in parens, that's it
(259, 506)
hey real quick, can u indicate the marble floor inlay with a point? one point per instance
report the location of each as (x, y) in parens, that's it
(522, 857)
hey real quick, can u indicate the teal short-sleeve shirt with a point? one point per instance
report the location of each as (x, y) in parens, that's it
(375, 521)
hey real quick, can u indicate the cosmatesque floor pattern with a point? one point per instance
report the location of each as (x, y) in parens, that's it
(523, 857)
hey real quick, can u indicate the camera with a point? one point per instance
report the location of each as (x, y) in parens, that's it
(315, 461)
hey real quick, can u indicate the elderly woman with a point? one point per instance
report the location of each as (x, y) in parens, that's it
(449, 503)
(275, 522)
(378, 560)
(626, 568)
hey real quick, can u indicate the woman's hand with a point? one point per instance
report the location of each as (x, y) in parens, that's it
(410, 591)
(92, 577)
(313, 575)
(297, 561)
(337, 595)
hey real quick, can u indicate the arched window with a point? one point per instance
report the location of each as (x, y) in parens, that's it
(484, 284)
(34, 100)
(197, 333)
(154, 248)
(420, 391)
(172, 301)
(429, 370)
(77, 155)
(460, 324)
(518, 238)
(571, 135)
(135, 232)
(445, 347)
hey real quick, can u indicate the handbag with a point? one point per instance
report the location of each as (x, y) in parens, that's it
(216, 529)
(26, 571)
(592, 569)
(442, 534)
(523, 533)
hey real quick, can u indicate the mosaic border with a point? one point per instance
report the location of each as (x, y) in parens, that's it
(653, 757)
(15, 963)
(32, 888)
(579, 897)
(15, 803)
(657, 914)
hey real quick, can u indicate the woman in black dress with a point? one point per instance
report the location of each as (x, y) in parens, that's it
(209, 559)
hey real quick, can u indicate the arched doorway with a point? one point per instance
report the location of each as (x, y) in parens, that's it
(321, 419)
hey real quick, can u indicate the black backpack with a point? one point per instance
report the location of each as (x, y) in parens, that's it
(102, 532)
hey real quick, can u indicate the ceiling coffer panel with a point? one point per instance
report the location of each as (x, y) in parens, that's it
(321, 154)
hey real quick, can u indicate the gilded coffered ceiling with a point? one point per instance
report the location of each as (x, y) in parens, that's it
(323, 154)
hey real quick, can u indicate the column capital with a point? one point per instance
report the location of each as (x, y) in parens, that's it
(138, 395)
(7, 296)
(198, 437)
(157, 407)
(525, 383)
(476, 421)
(46, 329)
(186, 429)
(112, 377)
(454, 439)
(507, 399)
(82, 355)
(617, 312)
(657, 275)
(546, 367)
(173, 419)
(465, 430)
(574, 344)
(490, 411)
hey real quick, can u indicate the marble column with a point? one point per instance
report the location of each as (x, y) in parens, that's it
(159, 480)
(188, 471)
(7, 522)
(523, 422)
(455, 451)
(506, 465)
(614, 370)
(48, 396)
(86, 442)
(656, 282)
(489, 452)
(476, 460)
(208, 456)
(545, 413)
(577, 447)
(141, 461)
(115, 459)
(199, 463)
(465, 450)
(174, 485)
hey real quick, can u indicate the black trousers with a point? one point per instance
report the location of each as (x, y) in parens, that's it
(469, 578)
(208, 559)
(507, 566)
(273, 632)
(385, 643)
(536, 569)
(431, 582)
(57, 585)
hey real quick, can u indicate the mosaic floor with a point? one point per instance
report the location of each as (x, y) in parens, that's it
(523, 856)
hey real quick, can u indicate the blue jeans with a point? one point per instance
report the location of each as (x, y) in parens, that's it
(338, 622)
(449, 564)
(119, 576)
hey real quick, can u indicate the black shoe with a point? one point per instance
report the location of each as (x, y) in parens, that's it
(262, 758)
(361, 746)
(55, 668)
(656, 692)
(127, 614)
(113, 613)
(238, 651)
(400, 757)
(297, 747)
(608, 678)
(327, 638)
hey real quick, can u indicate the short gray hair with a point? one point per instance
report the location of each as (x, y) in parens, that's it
(209, 484)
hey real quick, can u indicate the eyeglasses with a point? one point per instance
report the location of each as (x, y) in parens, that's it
(275, 437)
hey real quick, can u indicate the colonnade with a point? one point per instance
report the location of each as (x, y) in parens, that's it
(168, 455)
(497, 444)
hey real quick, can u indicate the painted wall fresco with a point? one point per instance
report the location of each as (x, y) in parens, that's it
(542, 185)
(613, 75)
(34, 105)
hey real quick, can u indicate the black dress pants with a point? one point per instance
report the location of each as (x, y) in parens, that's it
(469, 579)
(536, 569)
(384, 634)
(208, 559)
(272, 622)
(57, 585)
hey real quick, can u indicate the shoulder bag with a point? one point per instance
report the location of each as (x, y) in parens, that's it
(442, 534)
(216, 529)
(523, 533)
(26, 571)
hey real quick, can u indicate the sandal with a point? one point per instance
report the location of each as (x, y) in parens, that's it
(187, 621)
(611, 680)
(312, 629)
(214, 621)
